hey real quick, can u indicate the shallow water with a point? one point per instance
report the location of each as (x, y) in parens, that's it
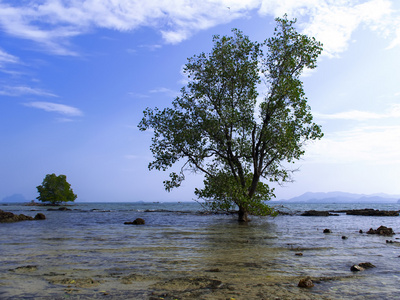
(88, 253)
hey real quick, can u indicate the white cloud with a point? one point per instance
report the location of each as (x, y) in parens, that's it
(369, 144)
(333, 21)
(52, 23)
(17, 91)
(357, 115)
(372, 144)
(55, 107)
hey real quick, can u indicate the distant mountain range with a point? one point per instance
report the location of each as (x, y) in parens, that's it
(330, 197)
(342, 197)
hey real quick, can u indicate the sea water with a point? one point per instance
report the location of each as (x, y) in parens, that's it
(46, 259)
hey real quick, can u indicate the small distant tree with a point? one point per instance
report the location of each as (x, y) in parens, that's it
(55, 189)
(228, 128)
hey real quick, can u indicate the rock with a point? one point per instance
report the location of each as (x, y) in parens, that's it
(356, 268)
(360, 231)
(306, 283)
(215, 270)
(8, 217)
(317, 213)
(366, 265)
(299, 254)
(344, 237)
(40, 216)
(138, 221)
(372, 212)
(59, 209)
(382, 230)
(326, 230)
(23, 269)
(361, 267)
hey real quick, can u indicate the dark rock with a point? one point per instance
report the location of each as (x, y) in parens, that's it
(299, 254)
(8, 217)
(360, 231)
(392, 242)
(356, 268)
(40, 216)
(344, 237)
(138, 221)
(306, 283)
(317, 213)
(59, 209)
(361, 267)
(372, 212)
(382, 230)
(366, 265)
(216, 270)
(326, 230)
(23, 269)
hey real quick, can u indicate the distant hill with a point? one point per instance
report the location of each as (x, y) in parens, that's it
(14, 198)
(342, 197)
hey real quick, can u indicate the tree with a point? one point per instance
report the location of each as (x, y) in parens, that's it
(55, 189)
(223, 126)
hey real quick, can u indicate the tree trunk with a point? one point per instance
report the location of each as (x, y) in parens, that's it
(243, 215)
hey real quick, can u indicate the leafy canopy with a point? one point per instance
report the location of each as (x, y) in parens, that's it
(55, 189)
(223, 126)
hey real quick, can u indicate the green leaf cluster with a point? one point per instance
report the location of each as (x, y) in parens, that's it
(55, 189)
(225, 128)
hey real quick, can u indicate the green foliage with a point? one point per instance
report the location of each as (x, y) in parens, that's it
(55, 189)
(224, 128)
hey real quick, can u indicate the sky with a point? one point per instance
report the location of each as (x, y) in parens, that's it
(76, 75)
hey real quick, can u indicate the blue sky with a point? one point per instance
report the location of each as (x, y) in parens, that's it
(75, 77)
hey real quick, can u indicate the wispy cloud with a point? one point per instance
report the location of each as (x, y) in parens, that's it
(6, 58)
(53, 23)
(357, 115)
(367, 144)
(56, 107)
(16, 91)
(167, 91)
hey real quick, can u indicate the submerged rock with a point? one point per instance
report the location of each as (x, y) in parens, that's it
(306, 283)
(366, 265)
(382, 230)
(59, 209)
(326, 230)
(138, 221)
(317, 213)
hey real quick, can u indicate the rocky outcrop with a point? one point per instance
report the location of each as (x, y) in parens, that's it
(372, 212)
(317, 213)
(382, 230)
(138, 221)
(8, 217)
